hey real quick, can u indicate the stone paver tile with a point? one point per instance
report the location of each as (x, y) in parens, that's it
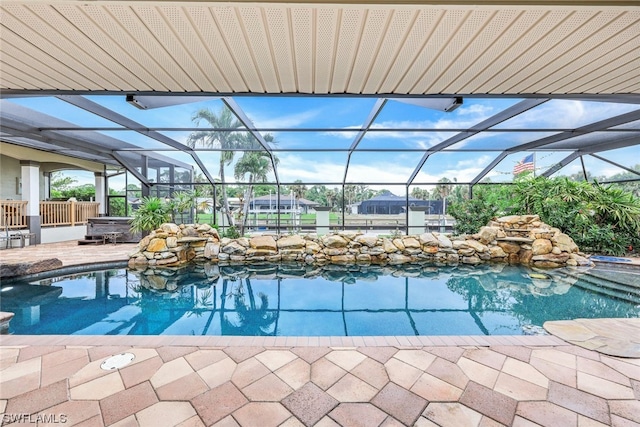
(346, 359)
(326, 422)
(402, 404)
(63, 356)
(72, 412)
(240, 354)
(140, 372)
(91, 422)
(627, 369)
(402, 373)
(20, 385)
(422, 422)
(449, 372)
(63, 370)
(547, 414)
(310, 354)
(451, 414)
(102, 351)
(629, 409)
(434, 389)
(324, 374)
(168, 353)
(579, 351)
(589, 422)
(21, 369)
(99, 388)
(184, 388)
(579, 401)
(121, 405)
(32, 351)
(309, 403)
(617, 421)
(478, 372)
(352, 389)
(599, 369)
(556, 356)
(171, 371)
(274, 359)
(37, 400)
(372, 372)
(296, 373)
(417, 358)
(248, 372)
(269, 388)
(525, 371)
(452, 354)
(555, 372)
(194, 421)
(519, 389)
(167, 414)
(202, 358)
(9, 353)
(219, 402)
(227, 421)
(263, 414)
(636, 388)
(89, 372)
(515, 351)
(141, 354)
(603, 388)
(218, 373)
(490, 422)
(358, 415)
(294, 422)
(129, 421)
(488, 402)
(486, 357)
(3, 406)
(518, 421)
(380, 354)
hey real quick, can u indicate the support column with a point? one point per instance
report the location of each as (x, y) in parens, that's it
(322, 220)
(416, 220)
(101, 192)
(47, 185)
(31, 193)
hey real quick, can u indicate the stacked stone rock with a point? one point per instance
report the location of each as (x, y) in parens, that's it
(514, 239)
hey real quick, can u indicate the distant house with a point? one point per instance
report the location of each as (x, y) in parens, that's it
(269, 203)
(388, 203)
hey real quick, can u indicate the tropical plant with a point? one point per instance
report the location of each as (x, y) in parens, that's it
(257, 165)
(152, 213)
(227, 141)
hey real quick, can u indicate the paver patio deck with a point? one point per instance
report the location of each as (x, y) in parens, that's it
(294, 381)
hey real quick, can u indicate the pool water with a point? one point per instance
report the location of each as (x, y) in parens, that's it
(298, 300)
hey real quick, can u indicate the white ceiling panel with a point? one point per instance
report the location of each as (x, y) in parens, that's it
(321, 47)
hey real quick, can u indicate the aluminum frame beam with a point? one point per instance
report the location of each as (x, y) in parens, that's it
(502, 116)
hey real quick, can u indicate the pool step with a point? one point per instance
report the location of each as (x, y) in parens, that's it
(608, 286)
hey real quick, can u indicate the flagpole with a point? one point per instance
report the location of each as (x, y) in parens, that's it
(534, 164)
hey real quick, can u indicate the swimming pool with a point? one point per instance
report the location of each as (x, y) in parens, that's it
(300, 300)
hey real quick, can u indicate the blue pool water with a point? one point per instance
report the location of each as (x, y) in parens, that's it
(294, 300)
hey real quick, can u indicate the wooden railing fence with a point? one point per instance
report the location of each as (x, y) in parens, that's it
(52, 214)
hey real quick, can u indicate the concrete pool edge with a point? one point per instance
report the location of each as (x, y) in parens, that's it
(272, 342)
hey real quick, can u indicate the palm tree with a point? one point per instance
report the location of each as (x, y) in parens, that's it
(253, 320)
(257, 165)
(227, 141)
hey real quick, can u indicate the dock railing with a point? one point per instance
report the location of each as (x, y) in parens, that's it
(70, 213)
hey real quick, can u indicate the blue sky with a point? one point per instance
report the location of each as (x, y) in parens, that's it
(350, 113)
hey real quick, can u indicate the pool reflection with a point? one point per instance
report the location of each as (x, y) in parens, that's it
(302, 300)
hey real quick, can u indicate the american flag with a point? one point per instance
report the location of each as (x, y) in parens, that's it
(525, 164)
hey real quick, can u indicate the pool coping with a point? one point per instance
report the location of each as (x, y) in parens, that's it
(281, 341)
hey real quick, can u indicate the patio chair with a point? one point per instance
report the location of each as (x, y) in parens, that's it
(9, 237)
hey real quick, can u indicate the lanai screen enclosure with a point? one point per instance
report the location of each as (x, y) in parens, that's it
(340, 97)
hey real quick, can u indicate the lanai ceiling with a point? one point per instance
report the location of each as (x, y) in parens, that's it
(378, 47)
(430, 53)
